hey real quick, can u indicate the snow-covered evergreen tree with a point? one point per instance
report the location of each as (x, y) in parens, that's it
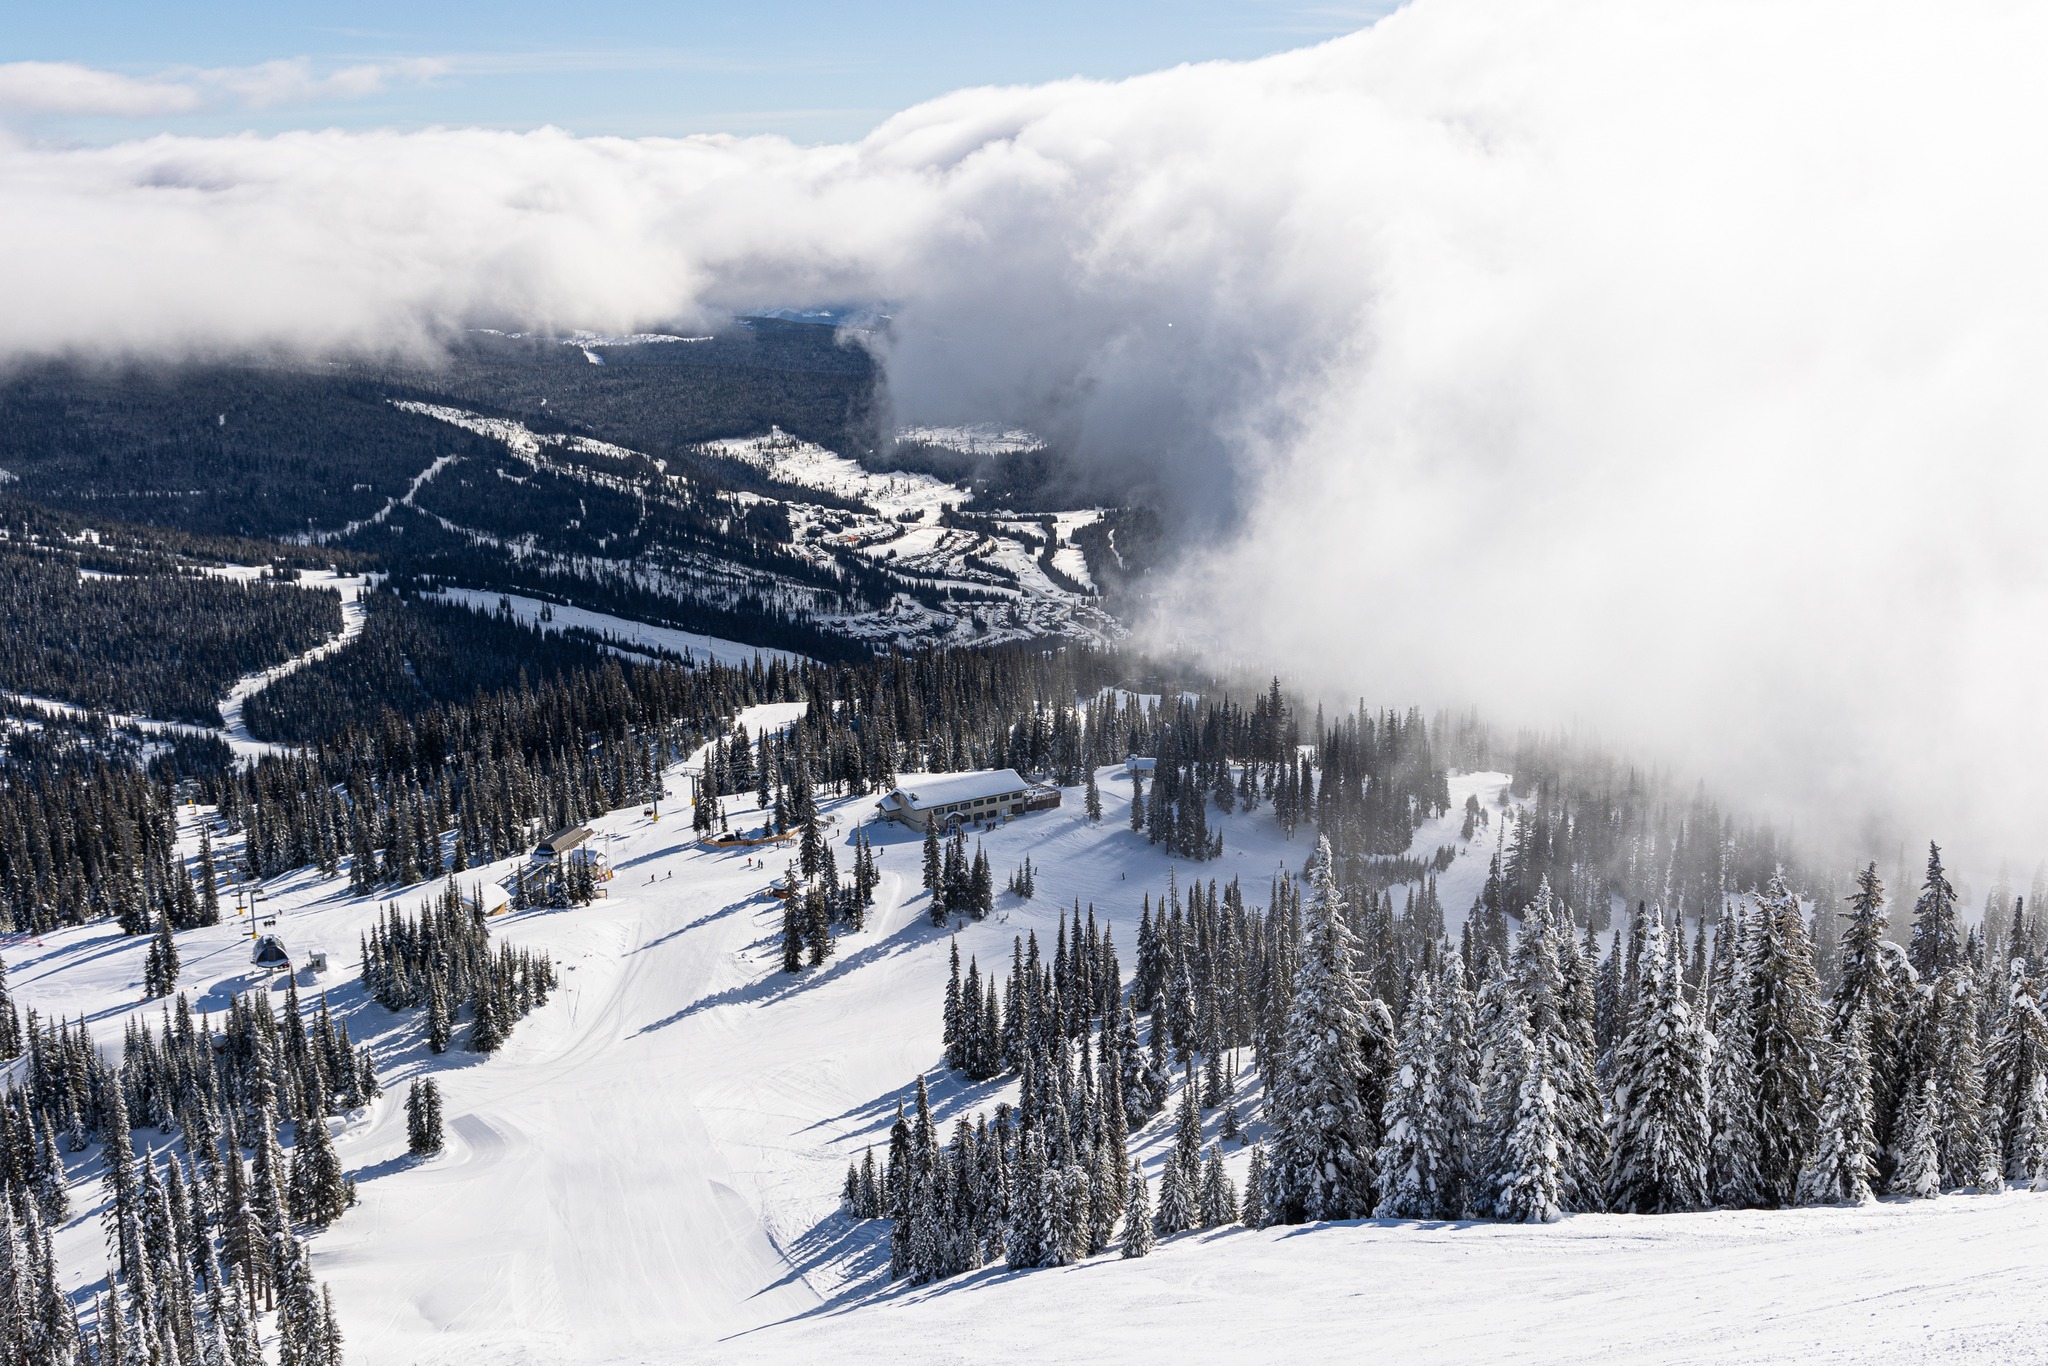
(1253, 1209)
(1457, 1067)
(1658, 1126)
(1957, 1074)
(1842, 1166)
(1143, 1092)
(1501, 1042)
(1937, 933)
(1218, 1199)
(1918, 1173)
(1872, 990)
(1178, 1193)
(1734, 1176)
(1532, 1184)
(319, 1189)
(1418, 1159)
(1025, 1246)
(1137, 1216)
(1323, 1140)
(1555, 1003)
(2015, 1066)
(423, 1132)
(1786, 1037)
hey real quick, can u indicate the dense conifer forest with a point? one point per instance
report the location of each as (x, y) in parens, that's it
(666, 398)
(145, 639)
(411, 655)
(1794, 1057)
(613, 499)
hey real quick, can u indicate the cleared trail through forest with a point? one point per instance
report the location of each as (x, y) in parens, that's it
(354, 614)
(234, 730)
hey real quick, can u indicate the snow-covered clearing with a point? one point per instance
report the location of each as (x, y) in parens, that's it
(649, 1171)
(791, 461)
(1893, 1283)
(688, 644)
(582, 338)
(981, 438)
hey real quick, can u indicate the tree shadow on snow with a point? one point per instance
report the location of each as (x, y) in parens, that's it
(780, 986)
(699, 923)
(857, 1248)
(949, 1092)
(390, 1165)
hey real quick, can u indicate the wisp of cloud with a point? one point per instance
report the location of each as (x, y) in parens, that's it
(1664, 369)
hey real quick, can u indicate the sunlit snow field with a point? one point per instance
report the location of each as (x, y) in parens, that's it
(650, 1169)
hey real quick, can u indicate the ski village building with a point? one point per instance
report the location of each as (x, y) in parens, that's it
(563, 844)
(945, 800)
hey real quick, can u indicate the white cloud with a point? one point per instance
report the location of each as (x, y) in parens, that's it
(295, 81)
(69, 89)
(1665, 367)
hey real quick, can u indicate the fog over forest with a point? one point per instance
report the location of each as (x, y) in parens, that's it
(1656, 369)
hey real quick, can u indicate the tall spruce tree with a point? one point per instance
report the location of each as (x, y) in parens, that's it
(1872, 990)
(2015, 1069)
(1323, 1142)
(1842, 1168)
(1418, 1159)
(1137, 1216)
(1785, 1041)
(1956, 1069)
(1937, 934)
(1657, 1152)
(1532, 1185)
(1734, 1168)
(1555, 1012)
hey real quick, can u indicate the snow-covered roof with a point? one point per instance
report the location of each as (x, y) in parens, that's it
(922, 792)
(562, 841)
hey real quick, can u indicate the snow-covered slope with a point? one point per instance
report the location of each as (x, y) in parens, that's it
(649, 1170)
(689, 645)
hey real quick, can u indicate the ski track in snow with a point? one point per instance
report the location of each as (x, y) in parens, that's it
(649, 1170)
(382, 514)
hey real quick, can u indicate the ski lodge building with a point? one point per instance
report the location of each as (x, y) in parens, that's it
(562, 843)
(947, 800)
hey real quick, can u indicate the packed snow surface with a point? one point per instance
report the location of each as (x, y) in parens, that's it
(649, 1170)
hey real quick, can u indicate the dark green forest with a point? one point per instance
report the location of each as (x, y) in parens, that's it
(153, 641)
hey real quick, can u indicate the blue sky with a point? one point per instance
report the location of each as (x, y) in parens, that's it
(811, 70)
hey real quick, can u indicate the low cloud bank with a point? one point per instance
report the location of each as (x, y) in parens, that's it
(1665, 369)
